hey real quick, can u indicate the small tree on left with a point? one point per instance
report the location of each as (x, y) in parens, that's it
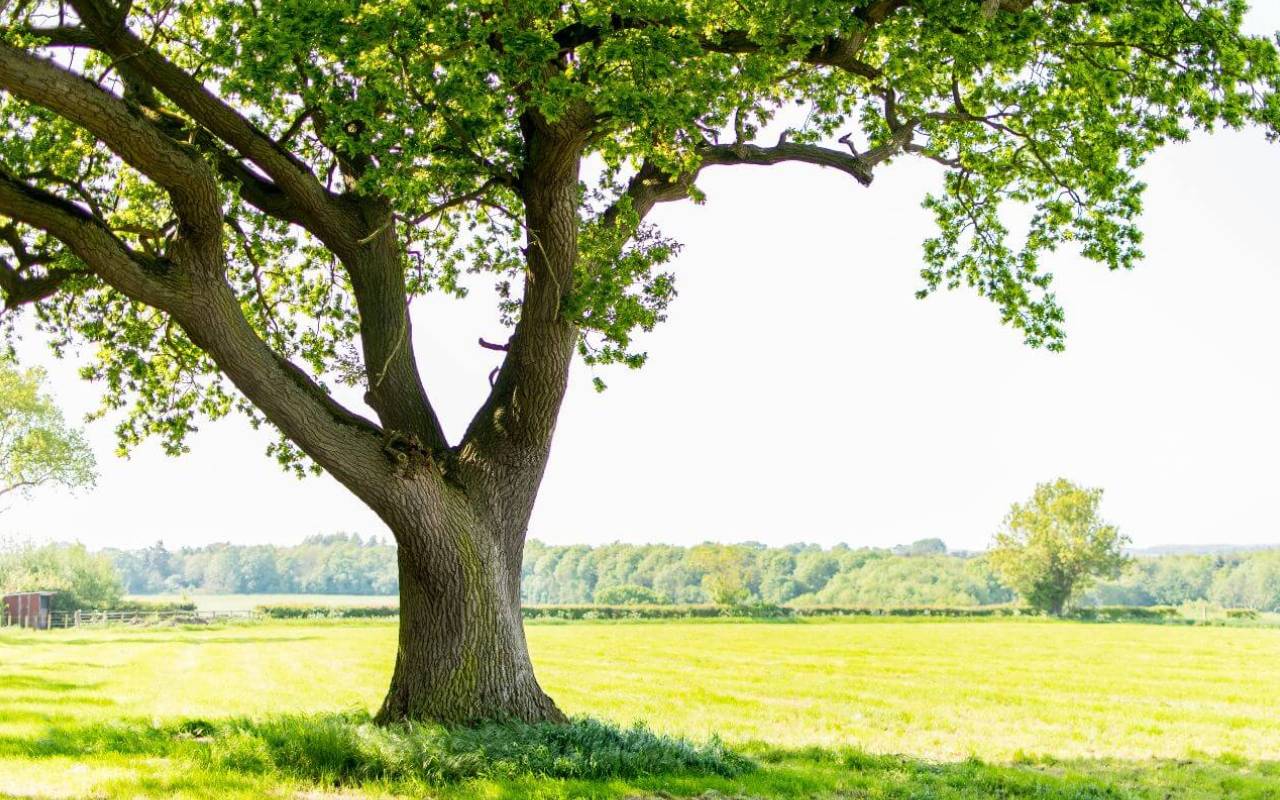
(37, 447)
(80, 579)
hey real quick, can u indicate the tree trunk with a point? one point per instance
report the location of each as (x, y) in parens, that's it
(462, 655)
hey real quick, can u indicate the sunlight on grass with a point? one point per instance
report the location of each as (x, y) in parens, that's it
(940, 690)
(979, 709)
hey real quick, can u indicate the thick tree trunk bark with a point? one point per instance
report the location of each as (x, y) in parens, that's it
(462, 656)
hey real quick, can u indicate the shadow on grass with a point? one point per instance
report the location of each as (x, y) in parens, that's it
(37, 683)
(336, 755)
(34, 698)
(342, 749)
(42, 699)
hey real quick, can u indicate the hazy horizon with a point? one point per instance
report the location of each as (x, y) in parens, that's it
(1193, 548)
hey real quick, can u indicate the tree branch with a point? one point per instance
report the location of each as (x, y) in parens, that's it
(289, 174)
(729, 154)
(142, 145)
(21, 290)
(345, 444)
(514, 426)
(355, 229)
(395, 388)
(650, 185)
(839, 52)
(136, 274)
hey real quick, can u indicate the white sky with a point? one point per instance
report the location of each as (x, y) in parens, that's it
(799, 392)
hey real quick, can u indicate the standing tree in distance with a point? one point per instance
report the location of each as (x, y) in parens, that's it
(37, 448)
(727, 572)
(1053, 546)
(236, 204)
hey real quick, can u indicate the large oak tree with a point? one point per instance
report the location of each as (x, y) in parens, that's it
(236, 203)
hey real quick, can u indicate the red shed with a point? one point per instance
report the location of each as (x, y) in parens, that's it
(28, 609)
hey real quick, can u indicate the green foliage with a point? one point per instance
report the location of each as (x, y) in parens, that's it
(419, 106)
(151, 605)
(768, 612)
(345, 750)
(37, 448)
(922, 547)
(802, 576)
(1241, 613)
(727, 573)
(627, 594)
(806, 575)
(1126, 614)
(795, 574)
(1052, 546)
(328, 564)
(80, 578)
(943, 612)
(1253, 582)
(913, 581)
(326, 612)
(661, 611)
(1166, 580)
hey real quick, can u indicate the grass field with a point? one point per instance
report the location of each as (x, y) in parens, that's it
(974, 709)
(248, 602)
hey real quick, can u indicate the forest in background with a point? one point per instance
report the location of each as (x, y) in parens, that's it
(336, 563)
(922, 573)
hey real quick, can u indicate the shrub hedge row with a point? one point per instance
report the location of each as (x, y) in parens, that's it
(640, 611)
(1124, 613)
(326, 612)
(590, 612)
(1241, 613)
(145, 606)
(572, 612)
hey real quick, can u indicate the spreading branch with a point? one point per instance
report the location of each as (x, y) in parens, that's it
(652, 185)
(139, 143)
(320, 208)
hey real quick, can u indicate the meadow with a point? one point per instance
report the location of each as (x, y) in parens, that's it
(867, 708)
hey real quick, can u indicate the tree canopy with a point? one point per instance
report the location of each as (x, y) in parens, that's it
(37, 447)
(78, 578)
(253, 123)
(1055, 545)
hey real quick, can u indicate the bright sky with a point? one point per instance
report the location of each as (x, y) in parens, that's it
(799, 391)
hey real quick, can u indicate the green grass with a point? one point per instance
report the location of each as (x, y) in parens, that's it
(976, 709)
(248, 602)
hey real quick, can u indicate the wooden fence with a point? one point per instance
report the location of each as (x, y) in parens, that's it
(77, 619)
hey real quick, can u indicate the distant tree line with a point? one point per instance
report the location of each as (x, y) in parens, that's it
(914, 575)
(917, 574)
(328, 564)
(1249, 579)
(920, 574)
